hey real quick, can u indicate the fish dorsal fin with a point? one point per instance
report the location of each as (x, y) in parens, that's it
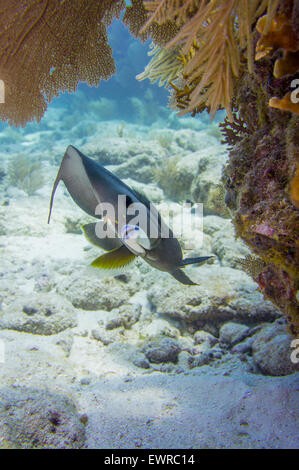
(56, 183)
(73, 173)
(142, 197)
(114, 259)
(108, 243)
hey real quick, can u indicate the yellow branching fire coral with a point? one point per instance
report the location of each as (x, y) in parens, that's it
(294, 191)
(47, 46)
(278, 33)
(285, 103)
(219, 34)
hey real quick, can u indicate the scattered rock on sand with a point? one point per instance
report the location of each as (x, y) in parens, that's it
(94, 294)
(232, 333)
(42, 314)
(38, 419)
(162, 350)
(271, 348)
(224, 294)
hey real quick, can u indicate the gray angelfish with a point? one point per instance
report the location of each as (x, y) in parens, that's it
(94, 188)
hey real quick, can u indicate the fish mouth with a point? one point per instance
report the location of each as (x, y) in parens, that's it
(134, 236)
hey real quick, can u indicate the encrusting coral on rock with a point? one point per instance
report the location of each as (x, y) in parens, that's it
(261, 184)
(280, 34)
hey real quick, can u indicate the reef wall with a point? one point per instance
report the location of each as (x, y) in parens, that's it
(261, 176)
(262, 163)
(242, 56)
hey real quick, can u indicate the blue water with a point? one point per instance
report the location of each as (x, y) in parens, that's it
(131, 57)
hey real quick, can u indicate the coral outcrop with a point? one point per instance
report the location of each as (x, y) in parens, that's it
(257, 180)
(243, 56)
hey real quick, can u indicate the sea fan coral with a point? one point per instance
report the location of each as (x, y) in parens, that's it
(47, 46)
(220, 72)
(233, 131)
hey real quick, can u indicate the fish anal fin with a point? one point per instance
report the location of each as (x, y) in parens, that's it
(114, 259)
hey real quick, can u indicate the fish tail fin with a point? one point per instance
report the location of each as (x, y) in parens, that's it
(180, 276)
(199, 261)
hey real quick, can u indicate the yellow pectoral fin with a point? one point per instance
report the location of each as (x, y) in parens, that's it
(117, 258)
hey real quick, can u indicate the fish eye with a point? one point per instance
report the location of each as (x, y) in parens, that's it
(136, 228)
